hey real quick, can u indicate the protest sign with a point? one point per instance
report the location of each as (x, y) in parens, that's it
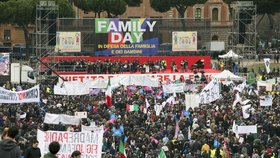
(266, 101)
(211, 92)
(61, 118)
(82, 114)
(31, 95)
(88, 143)
(171, 88)
(247, 129)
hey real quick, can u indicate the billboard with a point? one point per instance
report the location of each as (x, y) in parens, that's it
(135, 36)
(184, 41)
(68, 41)
(4, 64)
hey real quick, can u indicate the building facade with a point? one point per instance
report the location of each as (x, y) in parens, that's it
(214, 10)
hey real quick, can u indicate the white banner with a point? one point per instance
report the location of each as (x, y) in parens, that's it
(90, 128)
(88, 143)
(246, 111)
(210, 93)
(191, 101)
(174, 88)
(61, 118)
(72, 88)
(247, 129)
(68, 41)
(31, 95)
(266, 101)
(267, 64)
(159, 76)
(81, 114)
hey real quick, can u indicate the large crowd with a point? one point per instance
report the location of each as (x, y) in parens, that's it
(204, 131)
(117, 66)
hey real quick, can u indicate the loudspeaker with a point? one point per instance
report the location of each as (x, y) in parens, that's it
(52, 29)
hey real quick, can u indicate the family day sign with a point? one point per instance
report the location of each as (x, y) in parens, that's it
(89, 143)
(31, 95)
(125, 37)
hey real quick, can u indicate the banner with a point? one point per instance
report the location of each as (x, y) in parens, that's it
(135, 36)
(89, 128)
(31, 95)
(72, 88)
(4, 64)
(68, 41)
(81, 114)
(174, 88)
(184, 41)
(211, 92)
(160, 77)
(247, 129)
(267, 64)
(191, 101)
(266, 101)
(246, 111)
(88, 143)
(61, 118)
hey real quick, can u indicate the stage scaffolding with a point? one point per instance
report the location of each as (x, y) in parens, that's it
(47, 13)
(243, 35)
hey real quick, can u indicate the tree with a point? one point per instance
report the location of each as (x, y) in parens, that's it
(113, 8)
(180, 5)
(23, 12)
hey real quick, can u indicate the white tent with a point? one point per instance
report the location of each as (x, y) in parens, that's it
(230, 55)
(227, 75)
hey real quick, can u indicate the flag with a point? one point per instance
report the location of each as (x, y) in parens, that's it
(177, 129)
(147, 103)
(237, 100)
(189, 133)
(133, 107)
(162, 154)
(234, 127)
(122, 150)
(267, 64)
(146, 106)
(245, 111)
(108, 94)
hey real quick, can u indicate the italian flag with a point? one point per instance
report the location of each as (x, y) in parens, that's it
(133, 107)
(162, 154)
(122, 150)
(108, 94)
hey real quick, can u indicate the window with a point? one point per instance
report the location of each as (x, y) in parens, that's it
(215, 38)
(215, 13)
(197, 13)
(7, 35)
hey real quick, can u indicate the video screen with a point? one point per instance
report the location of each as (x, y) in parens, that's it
(4, 64)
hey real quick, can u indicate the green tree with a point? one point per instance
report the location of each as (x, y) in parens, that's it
(23, 13)
(113, 8)
(180, 5)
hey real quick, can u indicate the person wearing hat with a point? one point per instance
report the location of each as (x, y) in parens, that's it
(76, 154)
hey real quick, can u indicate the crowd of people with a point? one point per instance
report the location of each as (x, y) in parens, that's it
(204, 131)
(116, 67)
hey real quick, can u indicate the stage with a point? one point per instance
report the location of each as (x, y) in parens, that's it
(162, 76)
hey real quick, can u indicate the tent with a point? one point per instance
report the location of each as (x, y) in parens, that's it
(230, 55)
(227, 75)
